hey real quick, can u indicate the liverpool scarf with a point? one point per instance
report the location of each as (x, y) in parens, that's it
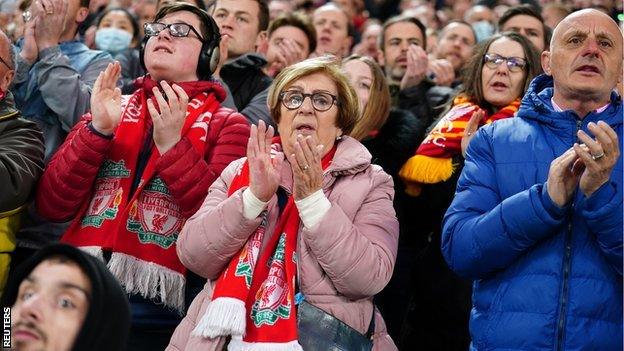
(140, 227)
(433, 162)
(253, 298)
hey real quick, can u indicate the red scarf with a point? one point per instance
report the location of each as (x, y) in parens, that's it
(433, 162)
(141, 228)
(253, 299)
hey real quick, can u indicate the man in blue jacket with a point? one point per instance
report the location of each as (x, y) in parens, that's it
(537, 218)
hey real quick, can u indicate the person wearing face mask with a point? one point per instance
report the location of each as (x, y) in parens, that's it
(482, 19)
(118, 34)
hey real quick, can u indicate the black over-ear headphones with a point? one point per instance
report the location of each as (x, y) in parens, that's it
(209, 54)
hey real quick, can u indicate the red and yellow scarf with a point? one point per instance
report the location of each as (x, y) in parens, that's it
(141, 228)
(433, 162)
(253, 300)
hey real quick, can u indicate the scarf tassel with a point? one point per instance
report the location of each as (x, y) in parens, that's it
(224, 316)
(148, 279)
(427, 170)
(236, 344)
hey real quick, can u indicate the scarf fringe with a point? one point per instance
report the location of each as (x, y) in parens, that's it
(427, 170)
(149, 279)
(94, 251)
(224, 316)
(240, 345)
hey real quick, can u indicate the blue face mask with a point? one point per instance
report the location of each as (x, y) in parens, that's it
(483, 30)
(112, 40)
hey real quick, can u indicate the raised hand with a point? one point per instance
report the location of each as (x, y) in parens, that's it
(471, 129)
(169, 121)
(599, 157)
(106, 100)
(306, 167)
(563, 177)
(264, 170)
(443, 72)
(416, 67)
(223, 55)
(50, 23)
(288, 54)
(29, 52)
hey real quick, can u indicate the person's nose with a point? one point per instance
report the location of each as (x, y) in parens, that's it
(404, 45)
(32, 308)
(228, 22)
(165, 34)
(591, 48)
(502, 69)
(306, 106)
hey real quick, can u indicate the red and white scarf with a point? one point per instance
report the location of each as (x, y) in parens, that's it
(254, 298)
(141, 228)
(433, 162)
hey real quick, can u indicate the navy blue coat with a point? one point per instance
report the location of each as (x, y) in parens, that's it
(545, 278)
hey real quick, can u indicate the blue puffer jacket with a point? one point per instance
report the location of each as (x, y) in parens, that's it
(545, 278)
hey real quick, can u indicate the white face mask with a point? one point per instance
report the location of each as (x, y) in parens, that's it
(112, 39)
(483, 30)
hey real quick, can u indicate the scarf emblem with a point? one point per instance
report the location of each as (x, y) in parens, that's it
(108, 194)
(272, 301)
(155, 217)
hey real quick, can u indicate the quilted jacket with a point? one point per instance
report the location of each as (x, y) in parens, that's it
(545, 278)
(343, 261)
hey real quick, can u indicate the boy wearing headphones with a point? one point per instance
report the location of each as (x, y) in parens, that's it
(136, 167)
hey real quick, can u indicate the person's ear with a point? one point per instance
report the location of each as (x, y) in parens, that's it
(545, 58)
(81, 14)
(5, 82)
(381, 58)
(262, 42)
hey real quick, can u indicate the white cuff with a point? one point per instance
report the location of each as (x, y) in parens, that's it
(313, 208)
(252, 206)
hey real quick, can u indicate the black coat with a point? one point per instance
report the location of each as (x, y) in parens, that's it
(245, 78)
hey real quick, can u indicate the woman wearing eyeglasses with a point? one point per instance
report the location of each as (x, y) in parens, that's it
(495, 80)
(135, 168)
(298, 236)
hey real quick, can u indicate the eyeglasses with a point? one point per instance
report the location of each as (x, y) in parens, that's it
(514, 64)
(321, 101)
(176, 29)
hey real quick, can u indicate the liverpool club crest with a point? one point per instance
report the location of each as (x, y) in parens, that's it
(272, 300)
(107, 194)
(154, 216)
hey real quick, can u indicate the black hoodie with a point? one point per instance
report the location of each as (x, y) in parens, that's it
(107, 322)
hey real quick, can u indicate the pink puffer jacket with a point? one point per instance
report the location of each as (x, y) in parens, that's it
(344, 260)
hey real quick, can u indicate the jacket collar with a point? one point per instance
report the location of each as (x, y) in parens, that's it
(7, 107)
(536, 105)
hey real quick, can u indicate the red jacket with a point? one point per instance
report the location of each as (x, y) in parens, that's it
(69, 177)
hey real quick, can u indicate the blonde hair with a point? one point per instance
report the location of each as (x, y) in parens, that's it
(377, 109)
(347, 102)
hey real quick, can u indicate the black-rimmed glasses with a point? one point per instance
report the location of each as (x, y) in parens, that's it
(514, 64)
(321, 101)
(178, 30)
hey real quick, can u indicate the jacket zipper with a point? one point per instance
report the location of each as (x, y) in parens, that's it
(567, 258)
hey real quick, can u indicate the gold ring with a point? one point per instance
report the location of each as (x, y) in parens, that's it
(597, 157)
